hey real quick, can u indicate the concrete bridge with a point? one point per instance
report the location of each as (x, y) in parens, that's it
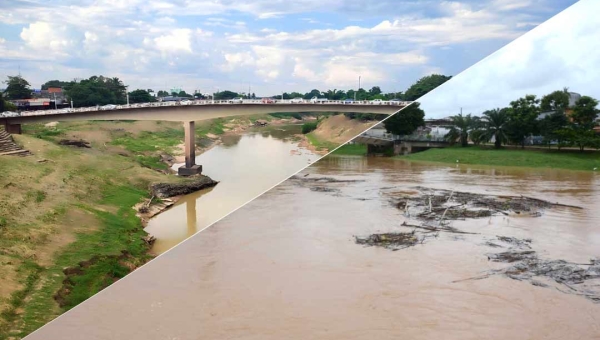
(191, 111)
(378, 140)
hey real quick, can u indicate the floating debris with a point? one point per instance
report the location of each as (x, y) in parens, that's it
(394, 241)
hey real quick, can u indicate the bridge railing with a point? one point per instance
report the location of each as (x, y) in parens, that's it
(209, 102)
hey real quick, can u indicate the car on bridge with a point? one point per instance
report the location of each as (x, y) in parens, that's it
(297, 100)
(236, 100)
(348, 101)
(186, 102)
(108, 107)
(316, 100)
(377, 101)
(268, 101)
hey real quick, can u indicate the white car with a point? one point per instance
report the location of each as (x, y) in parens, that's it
(297, 100)
(316, 100)
(108, 107)
(236, 101)
(377, 101)
(186, 102)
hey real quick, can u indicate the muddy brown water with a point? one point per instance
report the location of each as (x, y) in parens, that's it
(245, 166)
(286, 265)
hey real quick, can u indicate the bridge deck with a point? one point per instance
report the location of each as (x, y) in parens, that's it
(199, 110)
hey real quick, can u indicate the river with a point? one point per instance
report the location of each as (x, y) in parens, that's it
(286, 265)
(245, 166)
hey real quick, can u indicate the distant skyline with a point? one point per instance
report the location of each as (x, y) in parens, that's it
(563, 52)
(271, 46)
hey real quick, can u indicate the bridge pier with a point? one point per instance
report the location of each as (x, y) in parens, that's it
(190, 168)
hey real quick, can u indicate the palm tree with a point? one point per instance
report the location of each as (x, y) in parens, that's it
(495, 122)
(462, 125)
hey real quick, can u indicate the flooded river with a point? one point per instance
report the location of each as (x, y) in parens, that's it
(245, 165)
(286, 266)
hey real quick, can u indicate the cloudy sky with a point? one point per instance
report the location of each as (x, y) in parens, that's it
(270, 45)
(562, 52)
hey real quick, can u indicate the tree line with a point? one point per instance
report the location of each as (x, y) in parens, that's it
(101, 90)
(551, 117)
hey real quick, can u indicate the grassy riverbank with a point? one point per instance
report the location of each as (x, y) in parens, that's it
(533, 158)
(352, 150)
(71, 208)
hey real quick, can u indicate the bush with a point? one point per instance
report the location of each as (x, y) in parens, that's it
(308, 127)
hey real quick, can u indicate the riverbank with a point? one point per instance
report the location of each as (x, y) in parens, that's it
(531, 158)
(67, 224)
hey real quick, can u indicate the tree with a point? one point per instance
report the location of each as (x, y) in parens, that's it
(461, 128)
(140, 96)
(495, 123)
(162, 93)
(17, 88)
(523, 116)
(406, 121)
(555, 101)
(424, 85)
(551, 124)
(97, 90)
(54, 83)
(374, 91)
(225, 95)
(585, 112)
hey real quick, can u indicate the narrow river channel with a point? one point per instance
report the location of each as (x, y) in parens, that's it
(286, 266)
(245, 166)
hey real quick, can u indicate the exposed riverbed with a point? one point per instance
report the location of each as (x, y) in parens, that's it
(287, 266)
(245, 165)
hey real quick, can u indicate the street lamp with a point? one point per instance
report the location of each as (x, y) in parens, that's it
(358, 88)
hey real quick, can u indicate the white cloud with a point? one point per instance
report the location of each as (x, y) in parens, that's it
(177, 40)
(562, 52)
(44, 36)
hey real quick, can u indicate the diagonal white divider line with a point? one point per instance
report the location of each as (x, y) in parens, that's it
(210, 225)
(241, 206)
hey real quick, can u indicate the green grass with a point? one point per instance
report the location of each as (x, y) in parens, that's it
(120, 231)
(352, 149)
(320, 144)
(554, 159)
(214, 126)
(309, 126)
(150, 141)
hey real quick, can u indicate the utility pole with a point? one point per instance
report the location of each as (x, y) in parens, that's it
(358, 87)
(55, 100)
(128, 99)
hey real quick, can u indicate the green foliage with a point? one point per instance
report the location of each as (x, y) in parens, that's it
(585, 112)
(522, 118)
(140, 96)
(555, 101)
(462, 128)
(352, 149)
(150, 141)
(406, 121)
(553, 159)
(424, 85)
(55, 83)
(97, 90)
(495, 123)
(17, 88)
(309, 126)
(225, 95)
(363, 116)
(551, 124)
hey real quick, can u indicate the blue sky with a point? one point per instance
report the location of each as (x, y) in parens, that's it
(562, 52)
(271, 46)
